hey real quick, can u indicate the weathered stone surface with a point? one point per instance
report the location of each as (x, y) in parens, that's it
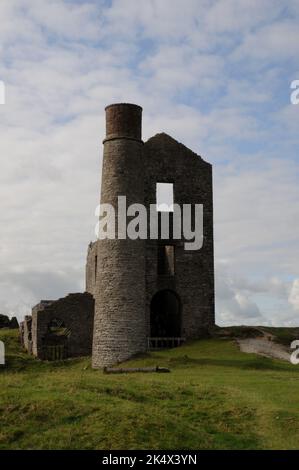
(127, 278)
(123, 120)
(75, 313)
(168, 161)
(114, 317)
(120, 324)
(91, 268)
(28, 333)
(21, 334)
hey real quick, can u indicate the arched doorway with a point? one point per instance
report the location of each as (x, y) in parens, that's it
(165, 320)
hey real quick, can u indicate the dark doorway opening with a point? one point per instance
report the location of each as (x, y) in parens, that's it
(165, 315)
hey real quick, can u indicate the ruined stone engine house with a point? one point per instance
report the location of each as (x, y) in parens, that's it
(142, 293)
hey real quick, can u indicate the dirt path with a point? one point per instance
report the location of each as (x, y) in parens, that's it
(264, 346)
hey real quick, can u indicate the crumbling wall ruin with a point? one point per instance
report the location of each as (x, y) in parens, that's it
(91, 268)
(132, 296)
(63, 328)
(28, 333)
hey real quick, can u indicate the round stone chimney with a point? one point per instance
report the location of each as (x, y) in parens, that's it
(123, 120)
(119, 323)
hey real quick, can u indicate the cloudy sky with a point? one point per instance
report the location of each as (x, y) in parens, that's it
(214, 74)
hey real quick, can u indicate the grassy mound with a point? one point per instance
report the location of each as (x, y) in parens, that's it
(214, 398)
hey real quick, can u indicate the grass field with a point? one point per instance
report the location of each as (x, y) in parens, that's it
(214, 398)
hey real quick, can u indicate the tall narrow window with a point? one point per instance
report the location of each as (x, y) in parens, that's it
(164, 197)
(95, 267)
(166, 260)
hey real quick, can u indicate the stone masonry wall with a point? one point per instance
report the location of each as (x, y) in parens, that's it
(168, 161)
(27, 333)
(119, 329)
(127, 275)
(91, 268)
(76, 312)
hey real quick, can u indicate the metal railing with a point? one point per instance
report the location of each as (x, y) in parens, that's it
(164, 342)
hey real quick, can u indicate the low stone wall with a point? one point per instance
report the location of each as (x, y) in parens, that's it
(72, 316)
(28, 333)
(21, 334)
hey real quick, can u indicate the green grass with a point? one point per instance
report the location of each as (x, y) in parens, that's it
(214, 398)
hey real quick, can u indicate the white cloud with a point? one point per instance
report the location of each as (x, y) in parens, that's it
(257, 217)
(276, 41)
(294, 295)
(207, 74)
(230, 16)
(233, 305)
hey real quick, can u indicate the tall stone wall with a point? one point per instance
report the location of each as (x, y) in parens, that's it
(168, 161)
(127, 276)
(21, 334)
(27, 332)
(76, 313)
